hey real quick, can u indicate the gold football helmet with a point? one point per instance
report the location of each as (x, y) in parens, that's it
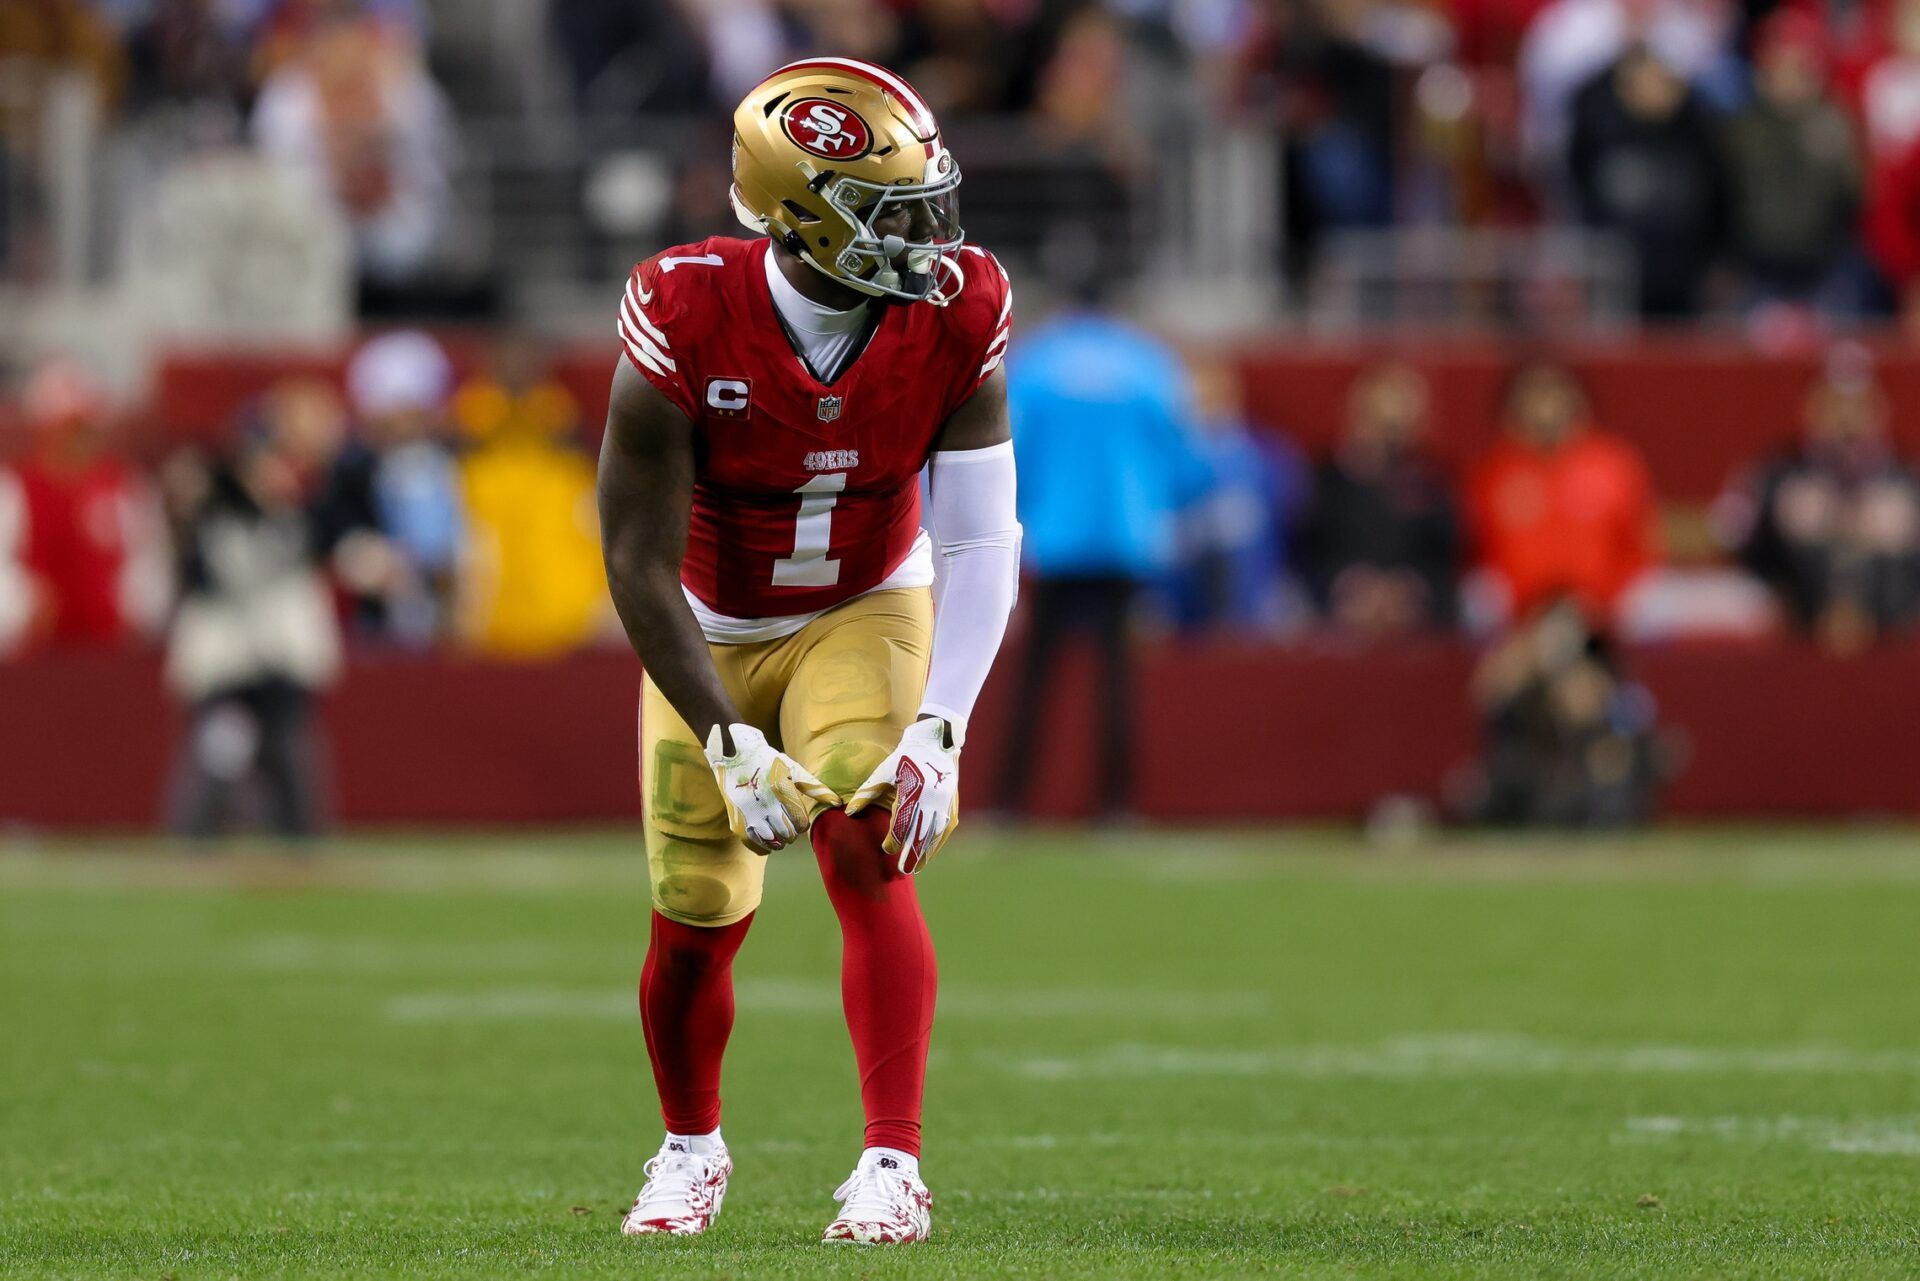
(822, 149)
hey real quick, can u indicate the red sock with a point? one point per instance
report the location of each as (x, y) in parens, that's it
(887, 976)
(686, 1007)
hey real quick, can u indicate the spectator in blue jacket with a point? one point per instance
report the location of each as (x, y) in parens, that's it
(400, 384)
(1108, 459)
(1235, 558)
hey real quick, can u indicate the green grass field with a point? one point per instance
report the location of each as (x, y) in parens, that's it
(1158, 1054)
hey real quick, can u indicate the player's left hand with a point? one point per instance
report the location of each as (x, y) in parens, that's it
(921, 781)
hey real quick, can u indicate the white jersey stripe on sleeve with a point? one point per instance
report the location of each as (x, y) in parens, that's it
(634, 305)
(634, 335)
(645, 352)
(641, 358)
(659, 338)
(636, 338)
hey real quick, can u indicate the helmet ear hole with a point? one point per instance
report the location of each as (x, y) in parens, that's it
(824, 242)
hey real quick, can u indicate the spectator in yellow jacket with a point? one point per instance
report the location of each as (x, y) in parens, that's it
(535, 586)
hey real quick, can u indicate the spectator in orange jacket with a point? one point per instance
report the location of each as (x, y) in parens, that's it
(1560, 508)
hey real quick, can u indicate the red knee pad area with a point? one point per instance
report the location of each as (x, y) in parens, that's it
(850, 853)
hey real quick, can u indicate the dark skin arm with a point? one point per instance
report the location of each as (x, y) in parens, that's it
(646, 499)
(981, 421)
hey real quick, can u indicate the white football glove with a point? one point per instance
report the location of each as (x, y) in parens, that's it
(768, 793)
(921, 781)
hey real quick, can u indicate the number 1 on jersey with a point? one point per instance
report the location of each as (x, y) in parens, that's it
(812, 533)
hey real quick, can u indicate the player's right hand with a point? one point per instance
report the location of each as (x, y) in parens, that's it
(770, 796)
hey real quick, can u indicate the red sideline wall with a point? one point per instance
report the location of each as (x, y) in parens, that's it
(1699, 408)
(85, 740)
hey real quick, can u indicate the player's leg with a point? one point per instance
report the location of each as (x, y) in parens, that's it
(705, 886)
(854, 689)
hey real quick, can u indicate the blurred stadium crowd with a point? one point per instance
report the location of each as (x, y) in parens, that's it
(444, 513)
(421, 513)
(1666, 128)
(1520, 165)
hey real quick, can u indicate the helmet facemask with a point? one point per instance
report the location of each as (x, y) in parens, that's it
(931, 272)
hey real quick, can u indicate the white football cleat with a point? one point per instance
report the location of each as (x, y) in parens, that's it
(881, 1204)
(683, 1193)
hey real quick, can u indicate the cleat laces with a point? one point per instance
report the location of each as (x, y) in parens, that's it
(872, 1195)
(676, 1182)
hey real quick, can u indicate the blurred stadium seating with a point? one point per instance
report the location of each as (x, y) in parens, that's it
(1705, 210)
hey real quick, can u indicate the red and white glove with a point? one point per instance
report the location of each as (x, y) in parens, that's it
(921, 781)
(769, 795)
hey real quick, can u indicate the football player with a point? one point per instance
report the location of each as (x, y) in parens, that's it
(760, 499)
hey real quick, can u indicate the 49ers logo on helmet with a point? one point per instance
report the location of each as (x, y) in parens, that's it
(827, 129)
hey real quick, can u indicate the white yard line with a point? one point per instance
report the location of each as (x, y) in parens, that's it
(511, 1003)
(378, 954)
(803, 996)
(1869, 1136)
(1456, 1054)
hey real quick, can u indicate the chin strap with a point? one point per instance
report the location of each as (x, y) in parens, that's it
(952, 263)
(898, 287)
(923, 285)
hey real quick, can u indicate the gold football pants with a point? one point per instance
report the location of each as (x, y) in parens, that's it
(836, 696)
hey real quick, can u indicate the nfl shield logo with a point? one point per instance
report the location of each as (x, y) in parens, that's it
(829, 408)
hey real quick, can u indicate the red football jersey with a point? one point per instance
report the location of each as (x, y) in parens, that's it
(805, 493)
(80, 529)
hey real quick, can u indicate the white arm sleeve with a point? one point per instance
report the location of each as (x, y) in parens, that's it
(979, 540)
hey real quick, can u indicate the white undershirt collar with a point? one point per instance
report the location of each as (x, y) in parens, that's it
(828, 337)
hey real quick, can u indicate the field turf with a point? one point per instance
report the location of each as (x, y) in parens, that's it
(1159, 1054)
